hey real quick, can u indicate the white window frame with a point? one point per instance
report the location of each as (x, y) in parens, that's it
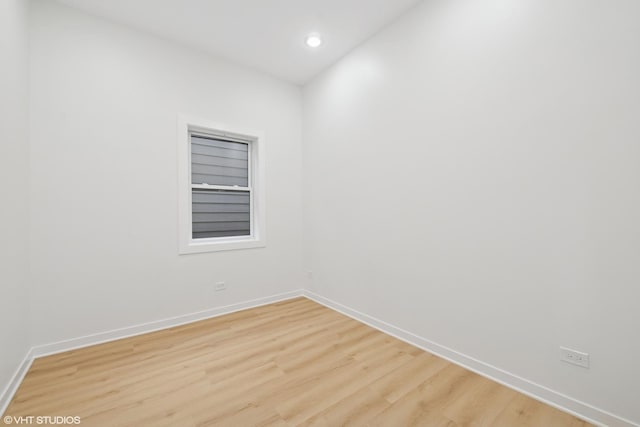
(256, 141)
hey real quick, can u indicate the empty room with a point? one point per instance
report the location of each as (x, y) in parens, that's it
(329, 213)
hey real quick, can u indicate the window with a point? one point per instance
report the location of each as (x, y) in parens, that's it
(221, 191)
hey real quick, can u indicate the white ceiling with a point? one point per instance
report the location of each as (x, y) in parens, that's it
(264, 34)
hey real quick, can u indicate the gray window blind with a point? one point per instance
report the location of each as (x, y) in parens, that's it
(218, 162)
(220, 212)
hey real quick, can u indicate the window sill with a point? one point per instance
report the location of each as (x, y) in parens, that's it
(193, 247)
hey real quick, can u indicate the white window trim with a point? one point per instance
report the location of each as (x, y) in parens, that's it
(257, 239)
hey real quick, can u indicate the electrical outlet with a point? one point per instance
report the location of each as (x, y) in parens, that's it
(220, 286)
(574, 357)
(309, 274)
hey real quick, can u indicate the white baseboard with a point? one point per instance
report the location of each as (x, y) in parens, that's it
(16, 380)
(553, 398)
(145, 328)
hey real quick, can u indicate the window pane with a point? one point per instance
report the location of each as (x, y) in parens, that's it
(219, 213)
(218, 162)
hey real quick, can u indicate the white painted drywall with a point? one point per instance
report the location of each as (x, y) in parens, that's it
(104, 200)
(14, 187)
(471, 176)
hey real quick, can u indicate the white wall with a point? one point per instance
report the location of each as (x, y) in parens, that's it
(14, 188)
(104, 201)
(472, 177)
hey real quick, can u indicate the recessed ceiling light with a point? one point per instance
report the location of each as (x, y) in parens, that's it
(313, 40)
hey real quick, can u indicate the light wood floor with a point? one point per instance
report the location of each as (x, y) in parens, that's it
(287, 364)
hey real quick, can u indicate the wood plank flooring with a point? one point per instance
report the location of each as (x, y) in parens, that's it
(294, 363)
